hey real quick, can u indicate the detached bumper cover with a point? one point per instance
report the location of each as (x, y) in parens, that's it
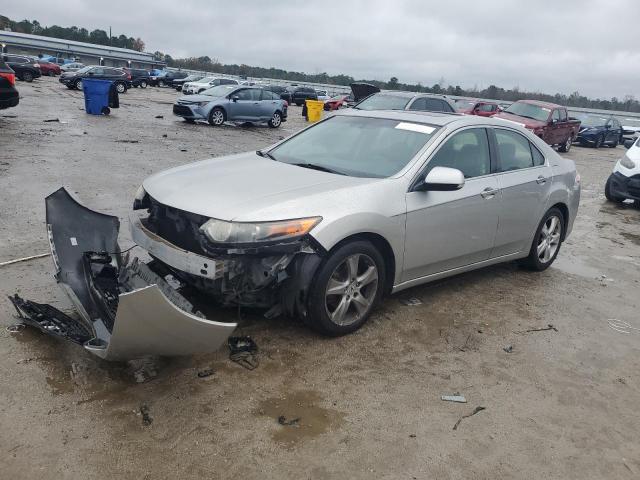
(131, 311)
(625, 187)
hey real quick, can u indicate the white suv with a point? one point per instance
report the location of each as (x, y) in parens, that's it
(205, 84)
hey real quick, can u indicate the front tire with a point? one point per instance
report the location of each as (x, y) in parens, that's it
(77, 85)
(276, 120)
(614, 144)
(121, 87)
(217, 117)
(610, 196)
(51, 73)
(27, 77)
(599, 141)
(161, 83)
(143, 84)
(547, 241)
(346, 288)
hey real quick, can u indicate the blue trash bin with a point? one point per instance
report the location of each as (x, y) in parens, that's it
(96, 96)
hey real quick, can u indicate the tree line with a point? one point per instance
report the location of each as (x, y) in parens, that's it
(78, 34)
(100, 37)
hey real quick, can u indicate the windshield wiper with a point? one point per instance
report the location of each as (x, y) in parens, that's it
(321, 168)
(265, 154)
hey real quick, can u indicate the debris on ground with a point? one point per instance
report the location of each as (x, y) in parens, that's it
(463, 348)
(412, 435)
(476, 410)
(51, 120)
(24, 259)
(15, 328)
(411, 302)
(621, 326)
(207, 372)
(127, 141)
(508, 349)
(294, 422)
(143, 369)
(183, 149)
(164, 135)
(544, 329)
(456, 397)
(146, 416)
(159, 116)
(243, 351)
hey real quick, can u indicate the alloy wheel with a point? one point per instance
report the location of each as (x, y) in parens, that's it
(79, 84)
(351, 289)
(276, 119)
(549, 239)
(218, 117)
(120, 88)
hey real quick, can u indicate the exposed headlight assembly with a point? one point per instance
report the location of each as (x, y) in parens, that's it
(219, 231)
(141, 200)
(626, 162)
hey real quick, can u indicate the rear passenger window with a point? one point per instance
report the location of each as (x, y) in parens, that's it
(419, 104)
(468, 151)
(514, 151)
(555, 116)
(434, 105)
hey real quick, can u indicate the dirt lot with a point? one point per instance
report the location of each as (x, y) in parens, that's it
(562, 405)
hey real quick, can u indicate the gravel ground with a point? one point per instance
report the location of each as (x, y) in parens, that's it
(562, 404)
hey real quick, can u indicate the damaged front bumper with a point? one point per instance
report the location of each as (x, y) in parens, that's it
(127, 310)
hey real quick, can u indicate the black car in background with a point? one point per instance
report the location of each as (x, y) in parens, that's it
(139, 77)
(177, 83)
(26, 68)
(118, 76)
(167, 80)
(280, 90)
(8, 94)
(300, 94)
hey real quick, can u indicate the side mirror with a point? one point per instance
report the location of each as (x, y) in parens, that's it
(628, 143)
(442, 179)
(235, 98)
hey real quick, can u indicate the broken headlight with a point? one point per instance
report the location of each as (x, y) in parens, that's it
(219, 231)
(141, 200)
(626, 162)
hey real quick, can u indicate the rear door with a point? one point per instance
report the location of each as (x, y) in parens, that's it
(448, 230)
(524, 178)
(268, 104)
(556, 130)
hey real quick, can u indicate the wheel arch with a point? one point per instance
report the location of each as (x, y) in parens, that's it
(565, 216)
(221, 107)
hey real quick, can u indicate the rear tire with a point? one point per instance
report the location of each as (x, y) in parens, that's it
(161, 83)
(51, 73)
(121, 87)
(27, 77)
(566, 146)
(77, 84)
(345, 289)
(546, 242)
(599, 141)
(614, 144)
(610, 196)
(276, 120)
(143, 84)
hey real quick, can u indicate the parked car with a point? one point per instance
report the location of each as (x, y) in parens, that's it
(233, 103)
(205, 84)
(548, 121)
(624, 183)
(361, 90)
(477, 107)
(71, 67)
(167, 79)
(282, 91)
(178, 83)
(422, 102)
(300, 94)
(9, 96)
(338, 101)
(598, 130)
(25, 68)
(50, 69)
(322, 95)
(631, 128)
(139, 77)
(118, 76)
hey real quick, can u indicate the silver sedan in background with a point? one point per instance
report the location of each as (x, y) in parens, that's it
(322, 225)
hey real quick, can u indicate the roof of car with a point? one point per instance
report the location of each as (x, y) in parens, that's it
(398, 93)
(541, 104)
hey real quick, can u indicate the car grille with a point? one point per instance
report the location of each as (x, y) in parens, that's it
(182, 110)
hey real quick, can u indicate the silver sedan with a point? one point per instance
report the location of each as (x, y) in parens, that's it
(325, 223)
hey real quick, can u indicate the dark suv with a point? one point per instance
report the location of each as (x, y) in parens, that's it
(118, 76)
(300, 94)
(8, 94)
(26, 68)
(139, 77)
(167, 80)
(280, 90)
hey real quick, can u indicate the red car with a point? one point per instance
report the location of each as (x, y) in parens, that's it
(48, 68)
(339, 101)
(475, 107)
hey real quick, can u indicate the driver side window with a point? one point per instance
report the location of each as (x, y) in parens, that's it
(468, 151)
(244, 94)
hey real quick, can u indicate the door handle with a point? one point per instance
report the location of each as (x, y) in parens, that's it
(541, 180)
(489, 192)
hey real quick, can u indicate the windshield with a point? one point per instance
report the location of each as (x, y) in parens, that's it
(356, 146)
(382, 101)
(592, 121)
(529, 111)
(219, 91)
(465, 105)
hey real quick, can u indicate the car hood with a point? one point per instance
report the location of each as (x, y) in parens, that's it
(246, 187)
(523, 121)
(196, 98)
(363, 90)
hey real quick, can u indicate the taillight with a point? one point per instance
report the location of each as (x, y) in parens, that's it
(37, 65)
(10, 77)
(128, 76)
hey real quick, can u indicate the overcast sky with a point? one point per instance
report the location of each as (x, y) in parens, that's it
(551, 46)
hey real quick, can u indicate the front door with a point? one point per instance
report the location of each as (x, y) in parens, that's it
(524, 179)
(447, 230)
(246, 107)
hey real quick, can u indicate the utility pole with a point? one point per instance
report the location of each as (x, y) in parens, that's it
(110, 42)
